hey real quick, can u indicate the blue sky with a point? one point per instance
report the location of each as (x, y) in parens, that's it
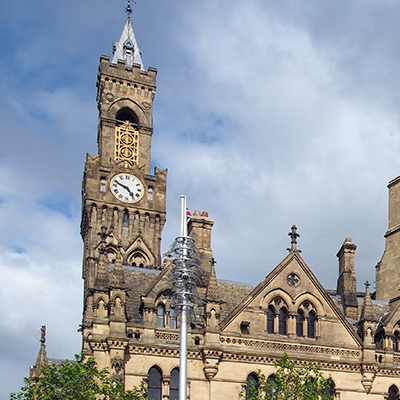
(267, 114)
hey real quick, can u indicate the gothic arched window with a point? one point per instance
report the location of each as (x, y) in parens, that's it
(252, 384)
(126, 146)
(155, 383)
(126, 114)
(174, 385)
(270, 319)
(125, 219)
(396, 341)
(311, 324)
(172, 318)
(271, 386)
(160, 316)
(330, 390)
(299, 323)
(283, 315)
(393, 393)
(150, 193)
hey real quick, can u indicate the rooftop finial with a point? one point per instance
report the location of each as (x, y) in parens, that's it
(294, 235)
(128, 8)
(43, 334)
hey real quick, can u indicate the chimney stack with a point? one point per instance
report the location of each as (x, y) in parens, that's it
(199, 228)
(346, 284)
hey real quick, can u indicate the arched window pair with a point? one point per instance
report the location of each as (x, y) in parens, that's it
(161, 317)
(253, 383)
(306, 320)
(277, 316)
(155, 384)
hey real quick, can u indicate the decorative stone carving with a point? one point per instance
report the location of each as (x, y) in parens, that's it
(211, 361)
(368, 377)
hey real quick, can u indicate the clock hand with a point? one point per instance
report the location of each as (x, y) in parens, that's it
(125, 187)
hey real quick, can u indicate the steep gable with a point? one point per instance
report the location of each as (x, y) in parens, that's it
(292, 286)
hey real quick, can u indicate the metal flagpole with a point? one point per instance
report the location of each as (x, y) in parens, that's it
(184, 310)
(186, 275)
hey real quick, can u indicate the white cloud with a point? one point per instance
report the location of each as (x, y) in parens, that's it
(267, 114)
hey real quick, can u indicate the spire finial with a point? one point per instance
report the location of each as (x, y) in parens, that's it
(43, 334)
(129, 9)
(294, 235)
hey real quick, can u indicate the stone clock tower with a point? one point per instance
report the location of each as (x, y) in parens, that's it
(123, 204)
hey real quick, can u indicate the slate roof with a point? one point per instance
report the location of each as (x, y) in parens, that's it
(231, 294)
(139, 279)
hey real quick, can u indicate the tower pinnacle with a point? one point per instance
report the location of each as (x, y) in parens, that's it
(126, 48)
(41, 360)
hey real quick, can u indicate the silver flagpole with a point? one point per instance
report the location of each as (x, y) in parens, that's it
(183, 344)
(186, 275)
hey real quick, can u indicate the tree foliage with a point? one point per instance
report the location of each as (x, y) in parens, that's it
(305, 382)
(77, 380)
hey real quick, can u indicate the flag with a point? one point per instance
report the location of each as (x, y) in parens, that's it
(188, 215)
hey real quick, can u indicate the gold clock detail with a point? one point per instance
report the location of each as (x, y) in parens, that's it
(127, 188)
(127, 144)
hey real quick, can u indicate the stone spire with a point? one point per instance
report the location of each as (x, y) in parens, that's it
(367, 311)
(41, 360)
(126, 48)
(212, 289)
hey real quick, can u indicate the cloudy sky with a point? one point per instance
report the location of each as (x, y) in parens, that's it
(267, 114)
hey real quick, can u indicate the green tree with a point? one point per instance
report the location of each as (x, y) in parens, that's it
(304, 382)
(77, 380)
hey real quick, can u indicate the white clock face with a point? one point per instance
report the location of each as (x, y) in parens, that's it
(126, 188)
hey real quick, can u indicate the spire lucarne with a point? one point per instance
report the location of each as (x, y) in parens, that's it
(127, 48)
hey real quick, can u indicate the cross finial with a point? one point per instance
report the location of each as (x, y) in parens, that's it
(43, 334)
(367, 284)
(294, 235)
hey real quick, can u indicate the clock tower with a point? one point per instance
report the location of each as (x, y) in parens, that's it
(123, 204)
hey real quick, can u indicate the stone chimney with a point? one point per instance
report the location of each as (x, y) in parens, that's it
(199, 228)
(346, 284)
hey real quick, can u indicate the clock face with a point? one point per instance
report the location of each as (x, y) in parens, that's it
(127, 188)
